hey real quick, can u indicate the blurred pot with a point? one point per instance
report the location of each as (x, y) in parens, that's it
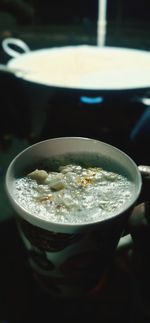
(84, 67)
(86, 73)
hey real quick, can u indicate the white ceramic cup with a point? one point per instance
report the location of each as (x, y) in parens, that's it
(68, 260)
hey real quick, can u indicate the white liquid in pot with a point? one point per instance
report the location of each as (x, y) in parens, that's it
(85, 67)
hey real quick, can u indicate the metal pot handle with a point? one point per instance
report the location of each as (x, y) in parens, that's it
(17, 42)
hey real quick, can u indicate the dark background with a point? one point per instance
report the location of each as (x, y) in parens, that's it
(48, 12)
(47, 23)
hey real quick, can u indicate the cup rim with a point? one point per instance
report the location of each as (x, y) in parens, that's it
(45, 224)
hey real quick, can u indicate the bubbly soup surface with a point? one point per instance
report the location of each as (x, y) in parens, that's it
(73, 194)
